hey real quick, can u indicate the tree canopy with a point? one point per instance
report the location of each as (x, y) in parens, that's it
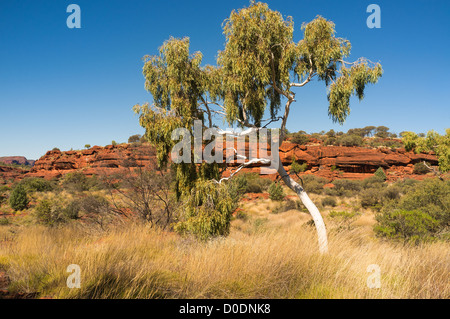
(256, 74)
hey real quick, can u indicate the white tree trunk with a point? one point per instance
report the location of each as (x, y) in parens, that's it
(317, 217)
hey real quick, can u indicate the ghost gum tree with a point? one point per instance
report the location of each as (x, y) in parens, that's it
(260, 71)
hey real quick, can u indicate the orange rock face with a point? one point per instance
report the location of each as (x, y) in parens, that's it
(330, 162)
(94, 161)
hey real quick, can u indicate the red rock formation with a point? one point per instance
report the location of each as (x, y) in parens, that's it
(94, 161)
(331, 162)
(19, 160)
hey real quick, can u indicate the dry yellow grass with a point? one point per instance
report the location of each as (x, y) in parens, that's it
(265, 256)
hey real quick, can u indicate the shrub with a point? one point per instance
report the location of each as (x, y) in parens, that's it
(237, 187)
(286, 206)
(3, 196)
(49, 212)
(56, 149)
(371, 198)
(329, 201)
(407, 225)
(87, 146)
(350, 140)
(380, 174)
(134, 138)
(299, 138)
(113, 143)
(19, 198)
(35, 184)
(431, 196)
(373, 182)
(343, 215)
(313, 184)
(347, 185)
(298, 168)
(206, 212)
(255, 183)
(420, 168)
(392, 193)
(78, 182)
(276, 192)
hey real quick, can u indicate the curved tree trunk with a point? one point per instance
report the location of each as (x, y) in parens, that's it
(317, 217)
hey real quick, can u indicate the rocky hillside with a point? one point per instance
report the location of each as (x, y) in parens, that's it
(331, 162)
(18, 160)
(93, 161)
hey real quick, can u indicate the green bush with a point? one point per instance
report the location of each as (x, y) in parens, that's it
(329, 201)
(350, 140)
(373, 182)
(49, 212)
(392, 192)
(87, 146)
(255, 183)
(35, 184)
(78, 182)
(406, 225)
(237, 187)
(299, 138)
(287, 205)
(420, 168)
(344, 187)
(298, 168)
(380, 174)
(276, 192)
(313, 184)
(134, 138)
(19, 198)
(206, 213)
(371, 198)
(113, 143)
(431, 196)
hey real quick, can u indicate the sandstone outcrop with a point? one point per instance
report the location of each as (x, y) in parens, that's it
(331, 162)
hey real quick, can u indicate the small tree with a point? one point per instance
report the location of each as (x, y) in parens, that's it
(87, 146)
(276, 192)
(381, 174)
(259, 68)
(19, 198)
(134, 138)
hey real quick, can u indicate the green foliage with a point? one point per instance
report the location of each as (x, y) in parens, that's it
(344, 187)
(313, 184)
(3, 193)
(329, 201)
(255, 183)
(87, 146)
(49, 212)
(207, 211)
(276, 192)
(420, 168)
(300, 138)
(298, 168)
(380, 174)
(256, 69)
(431, 196)
(407, 225)
(350, 140)
(78, 182)
(18, 200)
(134, 138)
(35, 184)
(382, 132)
(113, 143)
(433, 141)
(56, 149)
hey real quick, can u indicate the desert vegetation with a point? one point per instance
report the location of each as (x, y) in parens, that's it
(268, 248)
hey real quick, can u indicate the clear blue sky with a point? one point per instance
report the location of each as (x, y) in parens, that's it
(65, 88)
